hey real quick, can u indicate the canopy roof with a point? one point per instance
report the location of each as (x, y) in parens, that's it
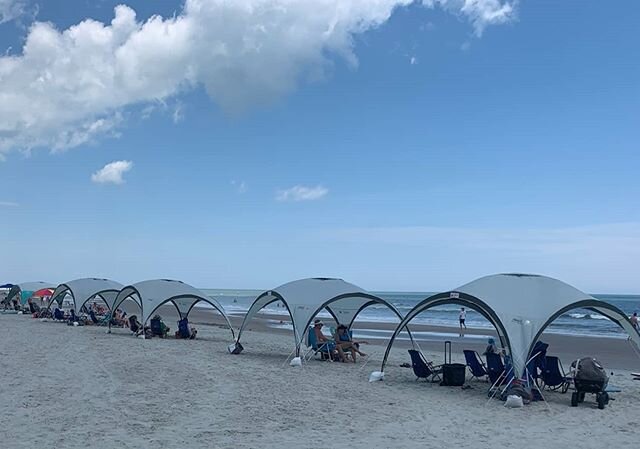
(82, 290)
(305, 298)
(26, 289)
(521, 307)
(150, 295)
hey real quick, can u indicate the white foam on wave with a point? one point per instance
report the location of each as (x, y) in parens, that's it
(588, 316)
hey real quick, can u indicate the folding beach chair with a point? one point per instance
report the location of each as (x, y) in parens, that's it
(553, 376)
(495, 369)
(424, 369)
(104, 321)
(184, 330)
(58, 314)
(475, 364)
(157, 329)
(325, 349)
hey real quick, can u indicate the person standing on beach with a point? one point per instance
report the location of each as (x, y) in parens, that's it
(462, 317)
(634, 321)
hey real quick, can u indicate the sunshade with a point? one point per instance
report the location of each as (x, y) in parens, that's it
(43, 292)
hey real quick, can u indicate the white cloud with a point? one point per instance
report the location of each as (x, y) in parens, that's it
(178, 113)
(112, 173)
(240, 186)
(8, 204)
(481, 13)
(68, 87)
(11, 9)
(302, 193)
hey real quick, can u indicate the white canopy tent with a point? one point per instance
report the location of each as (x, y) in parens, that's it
(521, 307)
(150, 295)
(83, 290)
(305, 298)
(27, 287)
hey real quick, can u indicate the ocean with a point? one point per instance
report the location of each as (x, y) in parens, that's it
(575, 322)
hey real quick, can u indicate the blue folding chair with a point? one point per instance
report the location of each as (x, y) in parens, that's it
(475, 364)
(422, 368)
(325, 349)
(495, 369)
(553, 376)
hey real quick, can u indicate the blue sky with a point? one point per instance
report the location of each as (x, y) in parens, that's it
(428, 146)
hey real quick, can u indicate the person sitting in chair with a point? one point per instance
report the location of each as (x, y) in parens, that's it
(73, 318)
(93, 317)
(320, 337)
(492, 348)
(58, 314)
(344, 342)
(135, 326)
(185, 330)
(158, 327)
(322, 341)
(34, 309)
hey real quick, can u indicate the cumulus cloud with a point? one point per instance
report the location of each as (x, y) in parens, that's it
(8, 204)
(69, 86)
(112, 173)
(11, 9)
(481, 13)
(302, 193)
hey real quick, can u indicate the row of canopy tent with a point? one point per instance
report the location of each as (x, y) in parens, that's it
(148, 295)
(26, 290)
(519, 306)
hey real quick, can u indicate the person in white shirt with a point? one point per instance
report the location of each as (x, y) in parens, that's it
(462, 317)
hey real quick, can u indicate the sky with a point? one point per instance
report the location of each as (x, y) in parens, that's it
(400, 145)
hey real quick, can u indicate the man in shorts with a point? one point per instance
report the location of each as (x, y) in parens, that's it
(462, 317)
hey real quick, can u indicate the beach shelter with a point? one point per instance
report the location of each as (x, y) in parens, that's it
(520, 307)
(6, 286)
(26, 289)
(42, 293)
(150, 295)
(305, 298)
(85, 289)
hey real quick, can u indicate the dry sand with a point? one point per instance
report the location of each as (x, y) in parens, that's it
(77, 387)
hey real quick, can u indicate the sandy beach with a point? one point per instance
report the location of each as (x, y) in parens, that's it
(73, 387)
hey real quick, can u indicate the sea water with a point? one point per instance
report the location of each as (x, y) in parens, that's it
(574, 322)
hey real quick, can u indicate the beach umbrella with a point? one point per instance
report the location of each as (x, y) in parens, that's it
(42, 292)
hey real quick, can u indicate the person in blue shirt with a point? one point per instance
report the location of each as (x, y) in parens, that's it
(344, 342)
